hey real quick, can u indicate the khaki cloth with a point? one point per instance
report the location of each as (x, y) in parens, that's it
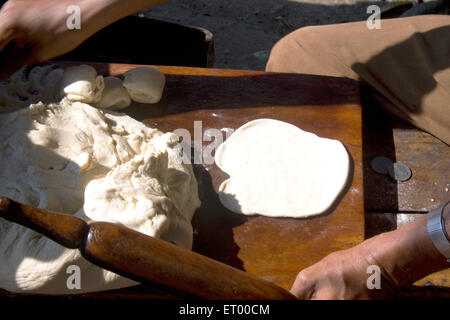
(407, 61)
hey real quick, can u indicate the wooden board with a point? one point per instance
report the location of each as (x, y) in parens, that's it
(275, 249)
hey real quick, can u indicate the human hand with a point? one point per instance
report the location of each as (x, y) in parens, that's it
(342, 275)
(403, 256)
(34, 31)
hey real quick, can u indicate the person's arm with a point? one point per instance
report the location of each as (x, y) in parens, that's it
(403, 256)
(33, 31)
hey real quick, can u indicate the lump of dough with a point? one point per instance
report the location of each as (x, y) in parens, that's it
(278, 170)
(115, 96)
(144, 84)
(81, 83)
(30, 85)
(94, 164)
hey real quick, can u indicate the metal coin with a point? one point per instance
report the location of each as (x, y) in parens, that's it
(381, 164)
(400, 172)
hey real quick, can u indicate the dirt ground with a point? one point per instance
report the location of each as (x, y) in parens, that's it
(245, 30)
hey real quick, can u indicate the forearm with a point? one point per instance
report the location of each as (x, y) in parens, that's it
(407, 254)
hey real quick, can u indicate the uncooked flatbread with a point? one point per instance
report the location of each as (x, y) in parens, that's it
(279, 170)
(96, 165)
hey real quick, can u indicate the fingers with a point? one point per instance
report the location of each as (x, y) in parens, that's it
(325, 294)
(303, 288)
(7, 32)
(309, 288)
(6, 36)
(13, 57)
(15, 52)
(8, 50)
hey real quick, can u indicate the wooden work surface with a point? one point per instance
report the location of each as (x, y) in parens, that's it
(275, 249)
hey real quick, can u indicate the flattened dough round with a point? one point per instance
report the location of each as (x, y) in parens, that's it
(279, 170)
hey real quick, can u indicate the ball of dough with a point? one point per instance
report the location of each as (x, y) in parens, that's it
(115, 96)
(144, 84)
(81, 83)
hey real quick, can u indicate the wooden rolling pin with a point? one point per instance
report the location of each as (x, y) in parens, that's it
(143, 258)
